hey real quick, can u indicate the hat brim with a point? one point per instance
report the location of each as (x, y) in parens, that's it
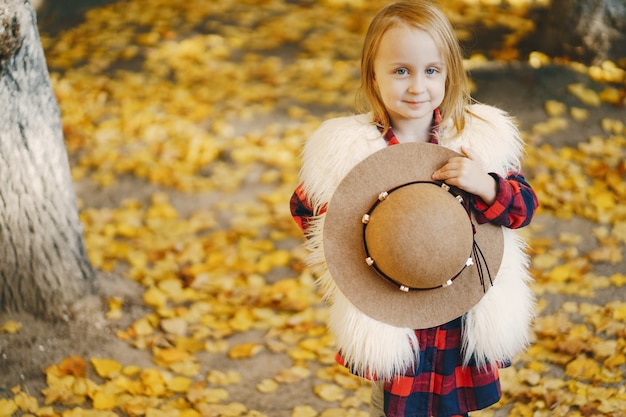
(345, 254)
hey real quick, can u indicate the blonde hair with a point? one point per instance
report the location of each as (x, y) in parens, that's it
(423, 15)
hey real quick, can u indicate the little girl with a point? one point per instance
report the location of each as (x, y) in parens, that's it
(415, 90)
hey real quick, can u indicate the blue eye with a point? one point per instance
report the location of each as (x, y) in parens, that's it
(431, 71)
(402, 71)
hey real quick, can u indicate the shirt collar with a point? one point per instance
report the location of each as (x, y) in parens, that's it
(391, 139)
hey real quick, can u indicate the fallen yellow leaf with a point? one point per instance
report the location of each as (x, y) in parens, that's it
(103, 401)
(267, 385)
(7, 407)
(106, 368)
(582, 368)
(245, 350)
(329, 392)
(10, 326)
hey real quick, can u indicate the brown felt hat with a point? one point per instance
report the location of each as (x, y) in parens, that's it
(404, 249)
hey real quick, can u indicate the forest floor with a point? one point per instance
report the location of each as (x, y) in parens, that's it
(274, 358)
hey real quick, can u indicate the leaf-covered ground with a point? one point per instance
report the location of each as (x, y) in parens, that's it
(184, 122)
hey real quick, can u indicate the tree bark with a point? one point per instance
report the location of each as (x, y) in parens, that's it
(43, 263)
(589, 31)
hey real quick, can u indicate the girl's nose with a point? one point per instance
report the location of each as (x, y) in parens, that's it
(417, 85)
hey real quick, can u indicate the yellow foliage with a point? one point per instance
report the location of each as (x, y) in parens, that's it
(245, 350)
(179, 384)
(7, 407)
(267, 385)
(329, 392)
(303, 411)
(10, 326)
(106, 368)
(579, 114)
(584, 94)
(103, 401)
(561, 273)
(555, 108)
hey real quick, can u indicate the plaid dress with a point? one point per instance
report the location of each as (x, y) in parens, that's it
(441, 385)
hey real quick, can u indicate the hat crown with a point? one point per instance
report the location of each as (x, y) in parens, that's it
(420, 236)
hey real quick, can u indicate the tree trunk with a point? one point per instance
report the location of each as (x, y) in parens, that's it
(43, 263)
(589, 31)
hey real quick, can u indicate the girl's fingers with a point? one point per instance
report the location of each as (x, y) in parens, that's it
(470, 153)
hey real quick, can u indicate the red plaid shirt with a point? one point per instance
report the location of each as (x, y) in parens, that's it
(441, 385)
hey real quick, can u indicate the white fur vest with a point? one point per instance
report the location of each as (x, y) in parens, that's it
(494, 330)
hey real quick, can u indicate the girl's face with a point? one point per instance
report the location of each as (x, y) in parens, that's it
(410, 74)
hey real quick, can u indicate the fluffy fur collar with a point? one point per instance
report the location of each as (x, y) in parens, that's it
(494, 330)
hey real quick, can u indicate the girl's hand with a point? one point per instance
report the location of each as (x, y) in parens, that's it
(466, 173)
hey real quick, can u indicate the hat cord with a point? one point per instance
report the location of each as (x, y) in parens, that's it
(477, 254)
(481, 263)
(405, 288)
